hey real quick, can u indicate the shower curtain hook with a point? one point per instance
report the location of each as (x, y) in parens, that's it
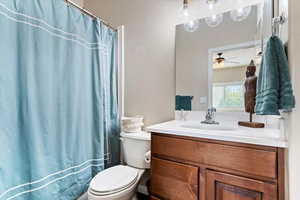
(67, 2)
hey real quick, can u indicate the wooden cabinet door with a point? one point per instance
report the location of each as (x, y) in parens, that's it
(174, 181)
(220, 186)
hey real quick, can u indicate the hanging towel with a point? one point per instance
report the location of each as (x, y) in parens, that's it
(184, 102)
(274, 88)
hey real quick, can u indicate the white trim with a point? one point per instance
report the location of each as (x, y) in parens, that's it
(210, 62)
(50, 175)
(121, 70)
(50, 26)
(53, 181)
(228, 83)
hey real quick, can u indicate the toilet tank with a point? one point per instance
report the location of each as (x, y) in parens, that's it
(136, 149)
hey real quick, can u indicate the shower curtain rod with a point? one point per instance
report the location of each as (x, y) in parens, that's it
(89, 14)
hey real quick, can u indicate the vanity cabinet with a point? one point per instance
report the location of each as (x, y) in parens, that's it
(187, 168)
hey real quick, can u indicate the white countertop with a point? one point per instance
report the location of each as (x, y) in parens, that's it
(263, 136)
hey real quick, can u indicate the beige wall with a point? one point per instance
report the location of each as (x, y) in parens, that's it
(149, 53)
(294, 135)
(78, 2)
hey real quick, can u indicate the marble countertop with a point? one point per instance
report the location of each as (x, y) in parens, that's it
(264, 136)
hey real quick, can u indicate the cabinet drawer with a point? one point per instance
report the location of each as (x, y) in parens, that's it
(170, 180)
(246, 160)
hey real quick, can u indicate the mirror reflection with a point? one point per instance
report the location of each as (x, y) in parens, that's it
(229, 71)
(211, 72)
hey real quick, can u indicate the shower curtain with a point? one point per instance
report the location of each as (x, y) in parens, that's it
(59, 121)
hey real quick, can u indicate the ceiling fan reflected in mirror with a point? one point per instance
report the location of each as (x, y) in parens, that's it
(220, 61)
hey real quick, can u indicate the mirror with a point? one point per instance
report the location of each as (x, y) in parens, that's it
(211, 61)
(228, 70)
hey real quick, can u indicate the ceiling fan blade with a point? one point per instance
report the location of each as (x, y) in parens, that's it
(232, 62)
(233, 57)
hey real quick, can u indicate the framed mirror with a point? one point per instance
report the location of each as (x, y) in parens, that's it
(211, 61)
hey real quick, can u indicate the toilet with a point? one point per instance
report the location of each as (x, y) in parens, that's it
(120, 182)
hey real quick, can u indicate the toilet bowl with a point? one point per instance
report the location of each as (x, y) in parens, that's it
(120, 182)
(116, 183)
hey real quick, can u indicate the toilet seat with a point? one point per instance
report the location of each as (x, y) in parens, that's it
(113, 180)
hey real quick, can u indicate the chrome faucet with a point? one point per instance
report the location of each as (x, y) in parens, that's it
(210, 116)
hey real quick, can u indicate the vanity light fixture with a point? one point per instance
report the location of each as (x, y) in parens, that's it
(214, 20)
(240, 14)
(191, 24)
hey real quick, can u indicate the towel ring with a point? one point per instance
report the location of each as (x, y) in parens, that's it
(276, 22)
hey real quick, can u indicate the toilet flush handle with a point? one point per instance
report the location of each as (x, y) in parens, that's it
(148, 157)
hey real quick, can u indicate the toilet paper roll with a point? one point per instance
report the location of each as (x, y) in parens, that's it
(148, 157)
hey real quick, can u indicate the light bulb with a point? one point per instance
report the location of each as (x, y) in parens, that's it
(211, 4)
(214, 20)
(191, 26)
(240, 14)
(219, 65)
(184, 11)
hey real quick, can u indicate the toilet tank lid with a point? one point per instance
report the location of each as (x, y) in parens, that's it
(142, 135)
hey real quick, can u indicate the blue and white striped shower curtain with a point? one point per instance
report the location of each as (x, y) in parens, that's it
(59, 121)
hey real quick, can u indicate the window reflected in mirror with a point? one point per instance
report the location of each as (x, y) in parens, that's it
(229, 69)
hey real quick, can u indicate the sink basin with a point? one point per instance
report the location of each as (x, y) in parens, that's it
(209, 127)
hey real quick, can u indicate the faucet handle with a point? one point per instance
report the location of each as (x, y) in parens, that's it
(210, 116)
(211, 110)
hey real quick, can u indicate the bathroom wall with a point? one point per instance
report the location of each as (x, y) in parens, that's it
(149, 53)
(294, 133)
(290, 34)
(78, 2)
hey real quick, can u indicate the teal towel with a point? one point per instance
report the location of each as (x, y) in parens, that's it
(274, 88)
(184, 102)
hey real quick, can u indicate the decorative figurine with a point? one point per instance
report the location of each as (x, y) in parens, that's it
(250, 95)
